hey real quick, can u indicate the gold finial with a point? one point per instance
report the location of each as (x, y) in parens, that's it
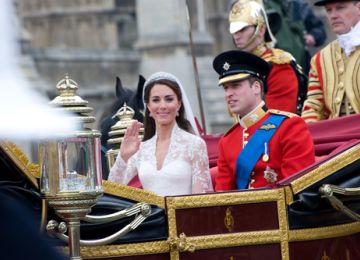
(67, 86)
(69, 101)
(67, 83)
(125, 113)
(117, 132)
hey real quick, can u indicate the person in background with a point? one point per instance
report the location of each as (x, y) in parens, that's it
(334, 81)
(288, 31)
(265, 146)
(314, 33)
(251, 33)
(296, 28)
(171, 159)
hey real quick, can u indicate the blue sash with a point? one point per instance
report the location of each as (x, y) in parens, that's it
(254, 149)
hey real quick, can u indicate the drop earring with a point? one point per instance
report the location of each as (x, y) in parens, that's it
(150, 115)
(177, 113)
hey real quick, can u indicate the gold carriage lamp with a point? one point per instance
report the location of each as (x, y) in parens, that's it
(71, 178)
(117, 132)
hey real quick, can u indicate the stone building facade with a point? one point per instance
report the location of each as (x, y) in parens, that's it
(95, 41)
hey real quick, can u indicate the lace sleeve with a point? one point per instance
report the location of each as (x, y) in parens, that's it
(201, 179)
(123, 172)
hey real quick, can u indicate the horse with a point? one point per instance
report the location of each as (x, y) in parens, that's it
(132, 99)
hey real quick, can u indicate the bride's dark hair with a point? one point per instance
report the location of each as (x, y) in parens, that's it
(149, 122)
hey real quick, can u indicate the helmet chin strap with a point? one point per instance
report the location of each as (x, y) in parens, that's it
(253, 38)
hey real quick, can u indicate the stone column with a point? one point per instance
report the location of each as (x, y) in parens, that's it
(163, 30)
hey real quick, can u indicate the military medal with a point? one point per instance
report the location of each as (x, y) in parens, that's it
(270, 175)
(265, 156)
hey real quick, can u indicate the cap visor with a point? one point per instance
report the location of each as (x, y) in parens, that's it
(235, 77)
(237, 26)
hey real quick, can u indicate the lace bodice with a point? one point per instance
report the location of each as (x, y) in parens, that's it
(185, 169)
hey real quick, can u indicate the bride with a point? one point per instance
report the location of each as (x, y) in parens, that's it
(172, 159)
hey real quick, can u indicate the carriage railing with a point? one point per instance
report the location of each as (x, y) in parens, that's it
(140, 210)
(328, 191)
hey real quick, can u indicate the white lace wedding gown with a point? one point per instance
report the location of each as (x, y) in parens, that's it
(185, 169)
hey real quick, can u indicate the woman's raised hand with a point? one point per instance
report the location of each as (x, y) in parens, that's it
(131, 142)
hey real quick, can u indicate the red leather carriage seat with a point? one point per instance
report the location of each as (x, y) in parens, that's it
(330, 137)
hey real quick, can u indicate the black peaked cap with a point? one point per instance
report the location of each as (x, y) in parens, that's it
(236, 65)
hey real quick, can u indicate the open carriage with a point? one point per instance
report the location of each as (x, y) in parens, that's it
(310, 215)
(305, 217)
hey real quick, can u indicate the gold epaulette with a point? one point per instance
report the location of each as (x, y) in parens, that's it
(278, 56)
(283, 113)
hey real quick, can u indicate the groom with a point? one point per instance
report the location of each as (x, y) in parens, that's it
(266, 146)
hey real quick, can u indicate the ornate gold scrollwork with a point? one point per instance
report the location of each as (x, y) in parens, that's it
(181, 244)
(229, 220)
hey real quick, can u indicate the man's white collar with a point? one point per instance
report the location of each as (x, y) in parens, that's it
(349, 41)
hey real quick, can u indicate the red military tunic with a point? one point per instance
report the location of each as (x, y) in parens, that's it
(282, 82)
(290, 149)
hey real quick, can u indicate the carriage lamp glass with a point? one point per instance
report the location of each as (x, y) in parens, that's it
(71, 180)
(71, 164)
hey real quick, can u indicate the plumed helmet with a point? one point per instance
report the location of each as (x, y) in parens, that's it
(245, 13)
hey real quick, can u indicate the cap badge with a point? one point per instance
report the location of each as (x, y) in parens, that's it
(226, 66)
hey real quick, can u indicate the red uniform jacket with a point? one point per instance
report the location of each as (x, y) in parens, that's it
(290, 149)
(282, 82)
